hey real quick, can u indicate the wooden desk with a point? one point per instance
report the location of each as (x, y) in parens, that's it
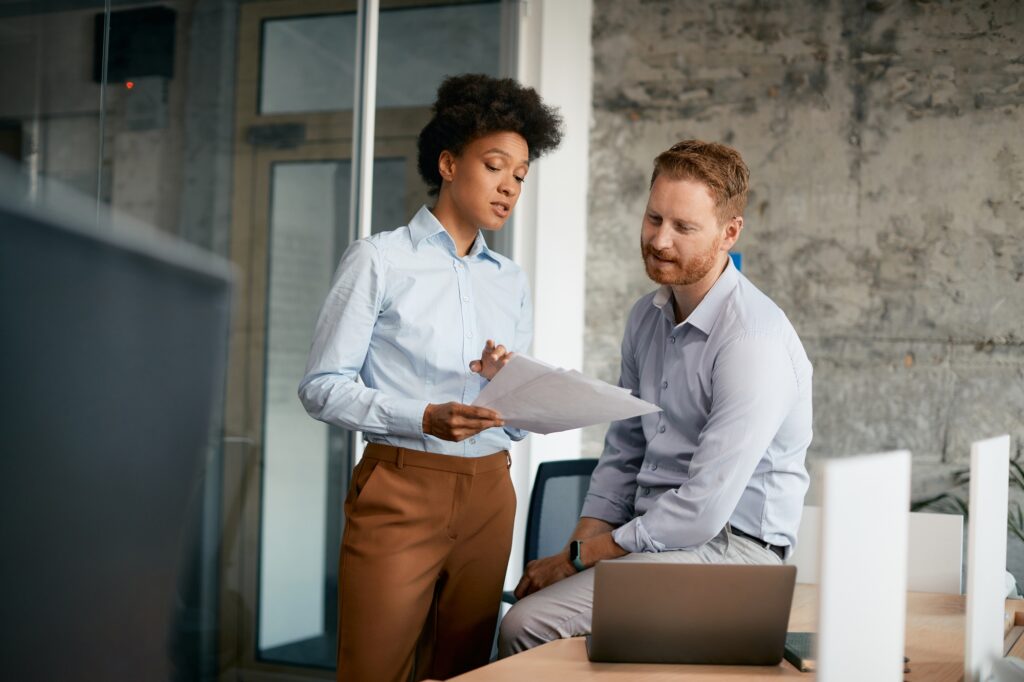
(935, 645)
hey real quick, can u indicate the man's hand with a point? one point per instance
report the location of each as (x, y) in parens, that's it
(492, 359)
(543, 572)
(598, 545)
(455, 421)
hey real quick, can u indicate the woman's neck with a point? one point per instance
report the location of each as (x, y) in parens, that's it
(462, 231)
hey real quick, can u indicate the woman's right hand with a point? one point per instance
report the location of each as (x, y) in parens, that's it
(456, 421)
(492, 359)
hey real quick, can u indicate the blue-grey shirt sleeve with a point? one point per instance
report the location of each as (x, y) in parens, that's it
(613, 483)
(330, 390)
(754, 387)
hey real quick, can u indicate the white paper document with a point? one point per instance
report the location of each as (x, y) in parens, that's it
(535, 396)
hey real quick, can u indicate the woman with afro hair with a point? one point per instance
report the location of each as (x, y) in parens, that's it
(428, 516)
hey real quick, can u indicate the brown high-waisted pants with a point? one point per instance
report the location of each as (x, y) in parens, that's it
(423, 559)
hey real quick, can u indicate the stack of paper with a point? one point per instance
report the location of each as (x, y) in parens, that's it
(534, 396)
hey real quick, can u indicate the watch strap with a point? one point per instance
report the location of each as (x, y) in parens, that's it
(576, 555)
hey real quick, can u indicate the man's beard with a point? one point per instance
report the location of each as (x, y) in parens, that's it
(687, 272)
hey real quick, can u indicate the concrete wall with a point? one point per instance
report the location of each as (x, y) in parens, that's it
(886, 147)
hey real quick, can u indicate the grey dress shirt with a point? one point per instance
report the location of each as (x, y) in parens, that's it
(734, 384)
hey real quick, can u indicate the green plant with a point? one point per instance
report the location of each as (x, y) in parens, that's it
(952, 501)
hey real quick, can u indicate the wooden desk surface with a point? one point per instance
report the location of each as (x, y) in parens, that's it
(935, 645)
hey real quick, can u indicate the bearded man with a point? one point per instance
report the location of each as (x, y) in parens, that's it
(718, 476)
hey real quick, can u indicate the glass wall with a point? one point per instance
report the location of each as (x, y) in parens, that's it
(227, 124)
(118, 115)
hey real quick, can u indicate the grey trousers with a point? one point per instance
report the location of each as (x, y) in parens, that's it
(564, 609)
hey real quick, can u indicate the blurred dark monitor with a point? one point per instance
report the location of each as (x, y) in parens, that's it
(111, 365)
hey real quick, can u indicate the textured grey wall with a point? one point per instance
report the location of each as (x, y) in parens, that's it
(886, 147)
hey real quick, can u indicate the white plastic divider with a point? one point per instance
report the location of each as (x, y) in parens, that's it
(986, 555)
(863, 571)
(935, 551)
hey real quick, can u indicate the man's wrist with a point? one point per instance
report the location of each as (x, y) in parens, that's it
(598, 548)
(601, 547)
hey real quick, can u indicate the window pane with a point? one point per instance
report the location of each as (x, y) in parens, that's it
(306, 232)
(419, 47)
(307, 64)
(305, 462)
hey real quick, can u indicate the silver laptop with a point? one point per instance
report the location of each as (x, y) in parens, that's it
(690, 613)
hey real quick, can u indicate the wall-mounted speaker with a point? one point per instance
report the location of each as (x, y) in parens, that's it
(141, 44)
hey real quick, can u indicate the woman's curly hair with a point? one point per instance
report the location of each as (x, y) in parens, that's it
(473, 105)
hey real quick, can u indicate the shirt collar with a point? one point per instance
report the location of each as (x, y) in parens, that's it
(707, 311)
(425, 225)
(480, 248)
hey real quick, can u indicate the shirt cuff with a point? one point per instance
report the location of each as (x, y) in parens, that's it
(633, 537)
(611, 511)
(515, 434)
(405, 417)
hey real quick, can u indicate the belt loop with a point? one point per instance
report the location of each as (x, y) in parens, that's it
(400, 460)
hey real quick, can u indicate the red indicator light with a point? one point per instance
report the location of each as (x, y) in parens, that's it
(129, 84)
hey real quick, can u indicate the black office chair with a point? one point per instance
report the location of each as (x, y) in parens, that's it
(555, 504)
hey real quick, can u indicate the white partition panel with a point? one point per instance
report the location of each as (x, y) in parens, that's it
(863, 569)
(986, 555)
(935, 551)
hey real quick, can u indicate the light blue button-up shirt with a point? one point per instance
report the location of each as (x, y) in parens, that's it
(407, 315)
(734, 385)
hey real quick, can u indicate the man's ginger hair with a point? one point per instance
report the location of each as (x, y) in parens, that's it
(718, 166)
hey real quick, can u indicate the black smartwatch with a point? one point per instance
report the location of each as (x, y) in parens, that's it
(576, 555)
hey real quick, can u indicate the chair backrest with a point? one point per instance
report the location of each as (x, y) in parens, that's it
(934, 551)
(555, 503)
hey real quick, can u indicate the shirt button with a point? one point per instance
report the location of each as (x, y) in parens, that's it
(661, 429)
(465, 298)
(654, 466)
(645, 492)
(472, 440)
(671, 339)
(469, 335)
(664, 384)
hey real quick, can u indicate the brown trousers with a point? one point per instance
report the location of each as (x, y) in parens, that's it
(423, 557)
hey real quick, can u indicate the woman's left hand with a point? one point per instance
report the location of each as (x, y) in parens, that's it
(492, 359)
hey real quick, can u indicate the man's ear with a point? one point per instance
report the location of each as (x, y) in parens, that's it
(446, 165)
(731, 232)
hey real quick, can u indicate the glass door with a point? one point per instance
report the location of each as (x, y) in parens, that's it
(286, 474)
(306, 463)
